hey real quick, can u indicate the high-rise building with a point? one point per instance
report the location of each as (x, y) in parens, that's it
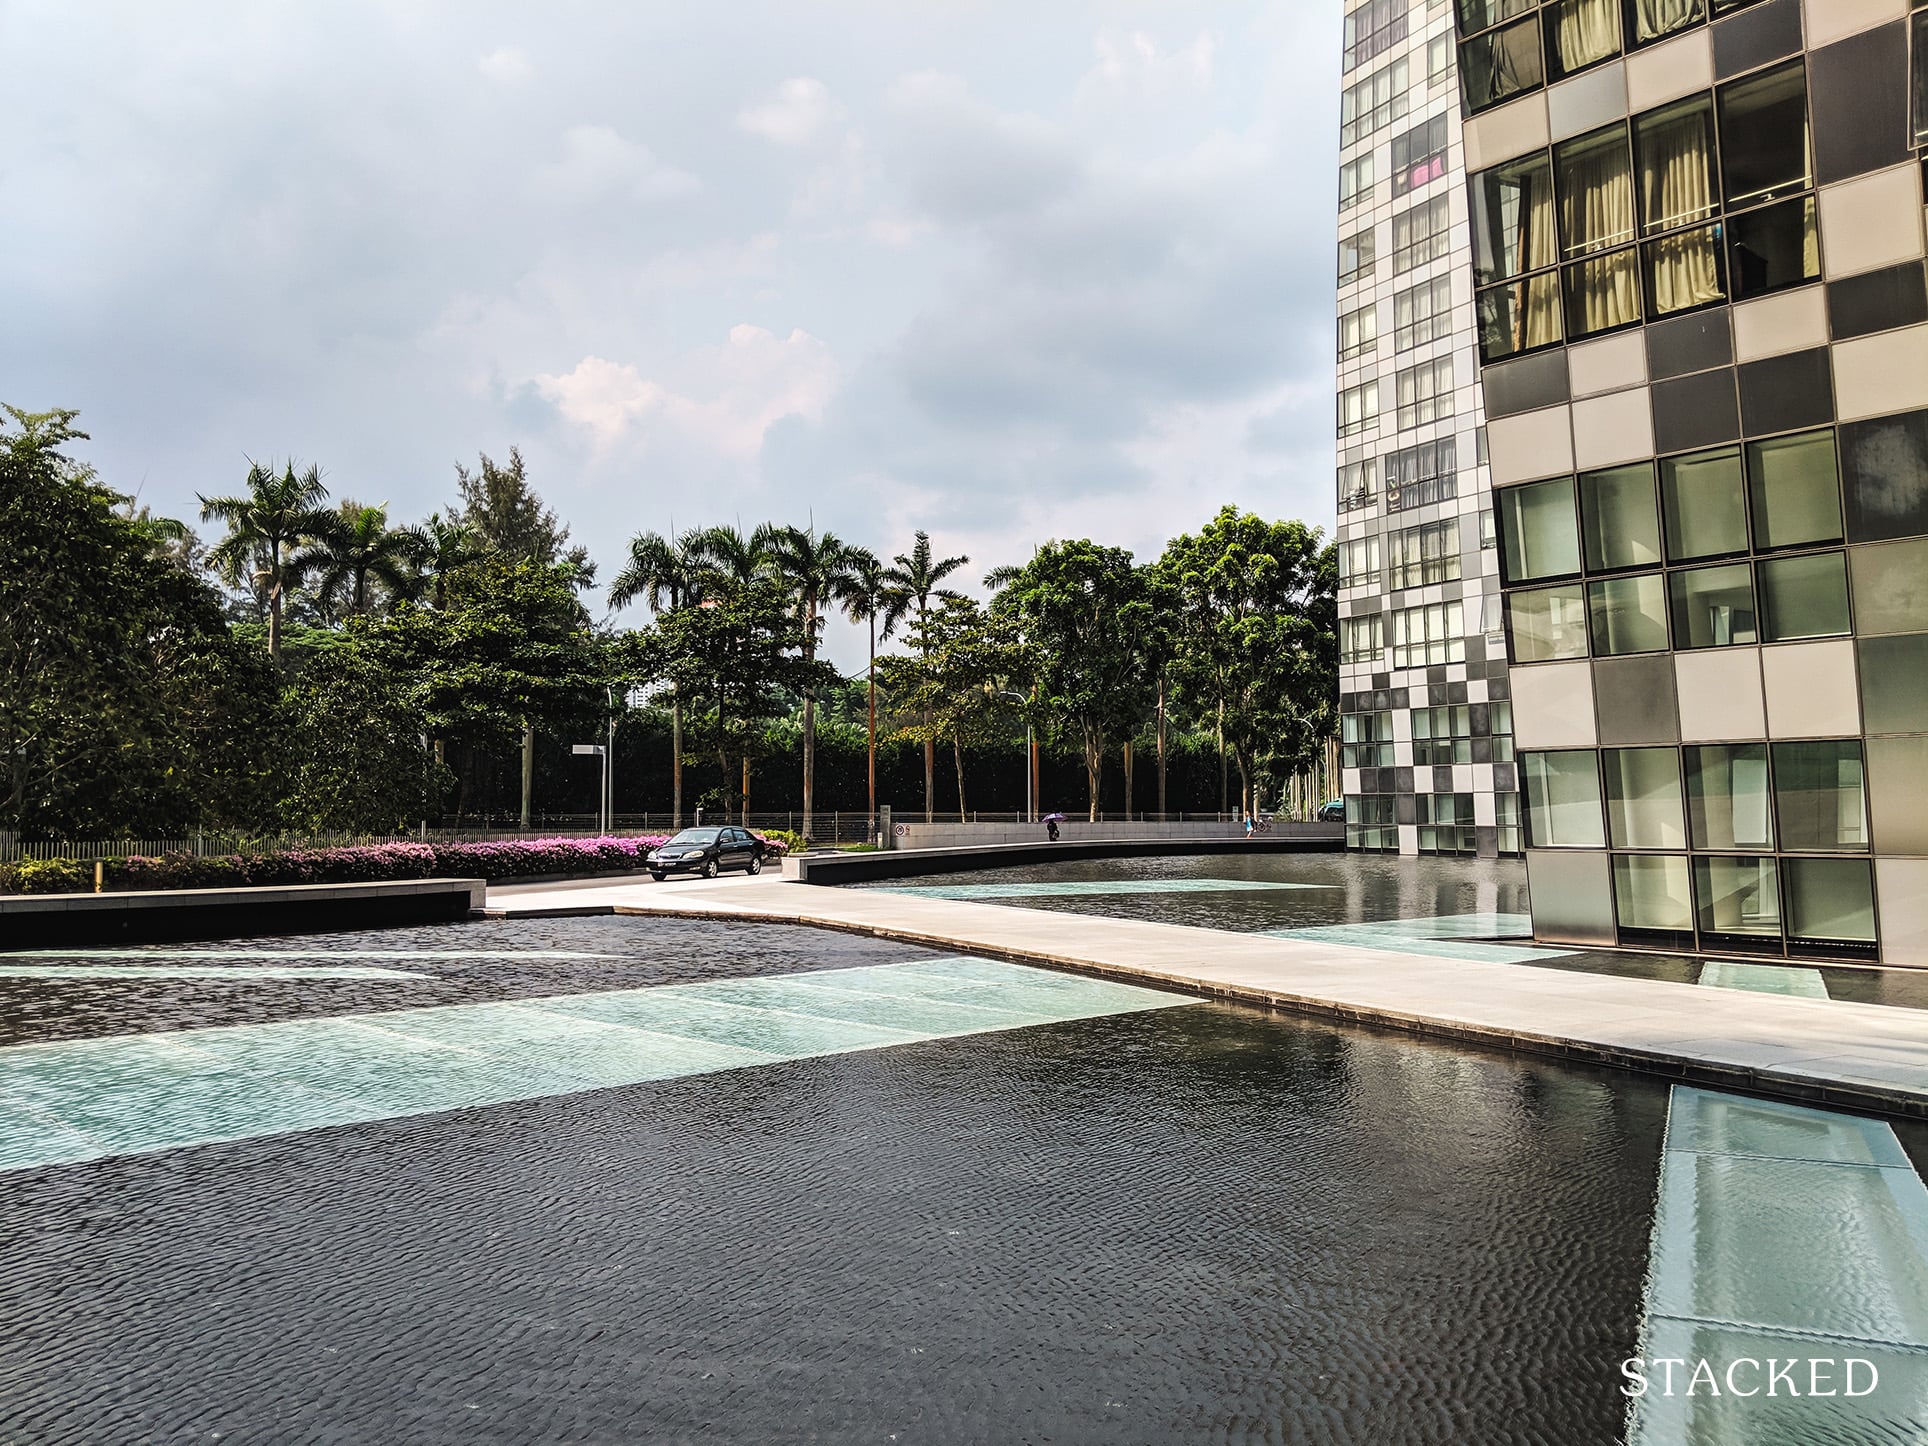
(1696, 263)
(1425, 716)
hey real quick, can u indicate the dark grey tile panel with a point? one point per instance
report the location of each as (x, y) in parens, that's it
(1756, 36)
(1858, 102)
(1696, 411)
(1635, 698)
(1782, 393)
(1526, 385)
(1884, 477)
(1878, 301)
(1690, 344)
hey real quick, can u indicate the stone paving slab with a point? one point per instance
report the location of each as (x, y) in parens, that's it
(1830, 1052)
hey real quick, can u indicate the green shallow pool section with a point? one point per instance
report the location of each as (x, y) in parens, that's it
(1082, 887)
(1784, 1232)
(1764, 978)
(76, 1100)
(1483, 936)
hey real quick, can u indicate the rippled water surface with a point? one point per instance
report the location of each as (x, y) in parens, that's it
(1339, 890)
(1198, 1223)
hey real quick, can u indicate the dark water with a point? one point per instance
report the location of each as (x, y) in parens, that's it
(1199, 1224)
(1368, 888)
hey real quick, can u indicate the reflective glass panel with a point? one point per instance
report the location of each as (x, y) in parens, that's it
(1713, 607)
(1628, 614)
(1804, 597)
(1829, 902)
(1820, 796)
(1618, 518)
(1702, 504)
(1548, 623)
(1643, 798)
(1738, 897)
(1795, 491)
(1539, 530)
(1563, 800)
(1651, 891)
(1727, 798)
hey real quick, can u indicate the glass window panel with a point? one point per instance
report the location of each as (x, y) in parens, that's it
(1685, 270)
(1548, 623)
(1737, 897)
(1804, 597)
(1820, 797)
(1513, 219)
(1424, 393)
(1653, 19)
(1643, 798)
(1421, 233)
(1373, 29)
(1424, 555)
(1539, 533)
(1829, 902)
(1358, 408)
(1361, 639)
(1594, 179)
(1358, 332)
(1358, 483)
(1422, 474)
(1376, 101)
(1355, 179)
(1713, 607)
(1423, 313)
(1652, 892)
(1919, 102)
(1618, 519)
(1773, 247)
(1727, 796)
(1602, 292)
(1796, 494)
(1419, 155)
(1580, 33)
(1702, 505)
(1501, 64)
(1628, 614)
(1476, 15)
(1764, 135)
(1678, 174)
(1894, 684)
(1356, 257)
(1519, 317)
(1563, 800)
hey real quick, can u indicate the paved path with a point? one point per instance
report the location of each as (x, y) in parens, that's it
(1822, 1051)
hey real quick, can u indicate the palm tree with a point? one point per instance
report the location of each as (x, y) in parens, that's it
(447, 543)
(265, 523)
(355, 552)
(916, 576)
(868, 597)
(817, 569)
(666, 575)
(723, 551)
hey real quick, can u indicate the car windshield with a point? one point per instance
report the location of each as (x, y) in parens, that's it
(696, 836)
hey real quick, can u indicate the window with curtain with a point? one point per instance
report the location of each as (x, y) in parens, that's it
(1359, 562)
(1360, 641)
(1421, 233)
(1358, 408)
(1358, 483)
(1501, 64)
(1418, 476)
(1424, 555)
(1356, 257)
(1439, 58)
(1373, 29)
(1423, 636)
(1513, 232)
(1422, 313)
(1425, 393)
(1919, 90)
(1378, 100)
(1358, 331)
(1678, 172)
(1355, 180)
(1478, 15)
(1419, 155)
(1657, 19)
(1580, 33)
(1593, 177)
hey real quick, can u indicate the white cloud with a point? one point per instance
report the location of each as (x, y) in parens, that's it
(599, 163)
(505, 66)
(1130, 65)
(794, 114)
(723, 399)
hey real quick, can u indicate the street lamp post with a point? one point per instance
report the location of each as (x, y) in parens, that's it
(1030, 761)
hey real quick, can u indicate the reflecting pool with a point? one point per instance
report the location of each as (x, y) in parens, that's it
(615, 1180)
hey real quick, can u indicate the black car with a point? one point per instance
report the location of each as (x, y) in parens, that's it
(708, 851)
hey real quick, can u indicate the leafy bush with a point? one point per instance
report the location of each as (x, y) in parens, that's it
(491, 859)
(790, 841)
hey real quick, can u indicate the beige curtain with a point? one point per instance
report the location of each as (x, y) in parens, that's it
(1596, 212)
(1654, 18)
(1677, 187)
(1589, 30)
(1536, 319)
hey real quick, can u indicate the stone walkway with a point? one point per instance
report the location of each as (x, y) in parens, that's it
(1859, 1056)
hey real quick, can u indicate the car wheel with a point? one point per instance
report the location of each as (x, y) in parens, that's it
(710, 868)
(656, 876)
(755, 866)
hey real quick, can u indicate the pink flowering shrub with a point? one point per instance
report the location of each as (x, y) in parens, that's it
(369, 863)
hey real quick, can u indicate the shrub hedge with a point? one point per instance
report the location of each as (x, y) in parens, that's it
(492, 859)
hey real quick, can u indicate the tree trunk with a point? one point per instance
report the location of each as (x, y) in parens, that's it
(1094, 766)
(871, 756)
(930, 769)
(957, 753)
(1224, 779)
(1127, 780)
(676, 760)
(1161, 747)
(528, 769)
(746, 788)
(274, 620)
(1244, 784)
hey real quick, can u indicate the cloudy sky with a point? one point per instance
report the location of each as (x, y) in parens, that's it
(1001, 270)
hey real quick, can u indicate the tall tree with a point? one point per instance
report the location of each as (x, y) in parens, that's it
(951, 682)
(869, 597)
(447, 543)
(1088, 612)
(917, 578)
(358, 560)
(267, 523)
(1255, 641)
(666, 575)
(818, 570)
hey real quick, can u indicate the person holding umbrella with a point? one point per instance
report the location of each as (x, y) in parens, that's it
(1051, 822)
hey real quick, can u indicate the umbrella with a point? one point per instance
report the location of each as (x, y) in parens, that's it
(1055, 818)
